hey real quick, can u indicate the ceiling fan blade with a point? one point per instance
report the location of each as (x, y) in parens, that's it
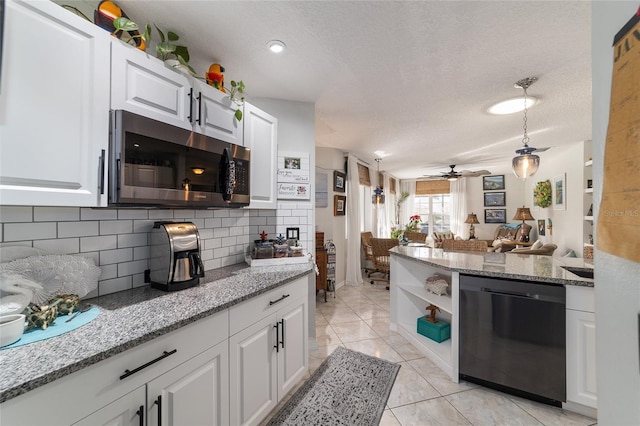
(468, 173)
(543, 149)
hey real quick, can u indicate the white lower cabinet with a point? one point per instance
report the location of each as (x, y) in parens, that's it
(194, 393)
(581, 347)
(126, 411)
(267, 359)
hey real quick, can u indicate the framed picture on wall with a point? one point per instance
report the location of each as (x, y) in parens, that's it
(495, 199)
(339, 205)
(492, 183)
(495, 216)
(339, 181)
(560, 192)
(541, 226)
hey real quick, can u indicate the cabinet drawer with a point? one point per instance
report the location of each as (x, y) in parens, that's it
(75, 396)
(247, 313)
(581, 298)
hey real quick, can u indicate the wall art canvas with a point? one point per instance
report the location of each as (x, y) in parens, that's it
(492, 183)
(560, 192)
(495, 216)
(322, 189)
(339, 205)
(495, 199)
(541, 227)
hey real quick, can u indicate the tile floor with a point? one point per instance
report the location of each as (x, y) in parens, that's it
(358, 318)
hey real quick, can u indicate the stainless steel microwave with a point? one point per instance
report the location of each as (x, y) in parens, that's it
(154, 164)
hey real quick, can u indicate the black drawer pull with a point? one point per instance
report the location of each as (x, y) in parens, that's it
(284, 296)
(140, 413)
(165, 354)
(158, 402)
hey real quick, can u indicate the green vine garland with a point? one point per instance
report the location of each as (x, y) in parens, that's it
(542, 194)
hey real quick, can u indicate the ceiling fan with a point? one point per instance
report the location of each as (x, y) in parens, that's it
(453, 175)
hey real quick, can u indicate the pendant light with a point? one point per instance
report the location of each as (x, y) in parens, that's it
(378, 197)
(526, 163)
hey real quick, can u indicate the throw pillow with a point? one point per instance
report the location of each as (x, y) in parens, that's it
(538, 244)
(496, 243)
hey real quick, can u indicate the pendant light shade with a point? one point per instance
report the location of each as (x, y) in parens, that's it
(525, 165)
(378, 196)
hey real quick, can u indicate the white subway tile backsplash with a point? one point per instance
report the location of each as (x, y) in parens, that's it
(133, 240)
(106, 242)
(29, 231)
(133, 214)
(109, 272)
(17, 243)
(161, 214)
(59, 245)
(56, 214)
(140, 253)
(131, 268)
(116, 256)
(98, 214)
(117, 240)
(109, 227)
(78, 229)
(16, 214)
(114, 285)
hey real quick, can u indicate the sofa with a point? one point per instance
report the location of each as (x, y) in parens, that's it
(540, 250)
(508, 232)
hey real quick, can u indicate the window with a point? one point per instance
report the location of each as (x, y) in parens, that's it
(435, 212)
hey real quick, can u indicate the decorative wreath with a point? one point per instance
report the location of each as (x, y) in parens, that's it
(542, 194)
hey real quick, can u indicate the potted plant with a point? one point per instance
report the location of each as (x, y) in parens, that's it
(171, 53)
(126, 26)
(237, 87)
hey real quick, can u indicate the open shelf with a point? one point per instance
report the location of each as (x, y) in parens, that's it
(439, 353)
(443, 302)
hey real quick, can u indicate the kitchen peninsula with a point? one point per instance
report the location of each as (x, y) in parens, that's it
(411, 266)
(147, 343)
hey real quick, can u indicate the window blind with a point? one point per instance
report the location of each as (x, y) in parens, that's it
(392, 186)
(363, 175)
(430, 187)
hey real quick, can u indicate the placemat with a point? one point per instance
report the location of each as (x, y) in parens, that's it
(58, 327)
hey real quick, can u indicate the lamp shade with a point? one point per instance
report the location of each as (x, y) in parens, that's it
(525, 165)
(472, 218)
(523, 214)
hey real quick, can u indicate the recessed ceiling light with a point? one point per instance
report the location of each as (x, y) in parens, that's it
(511, 106)
(276, 46)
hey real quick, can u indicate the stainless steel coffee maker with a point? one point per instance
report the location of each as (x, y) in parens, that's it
(175, 262)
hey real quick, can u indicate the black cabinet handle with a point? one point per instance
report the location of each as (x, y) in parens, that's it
(165, 354)
(140, 414)
(190, 95)
(277, 327)
(101, 184)
(284, 296)
(158, 402)
(282, 341)
(199, 120)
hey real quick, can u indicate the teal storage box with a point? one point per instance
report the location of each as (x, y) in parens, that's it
(439, 331)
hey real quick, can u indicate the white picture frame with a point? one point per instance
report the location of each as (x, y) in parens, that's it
(559, 191)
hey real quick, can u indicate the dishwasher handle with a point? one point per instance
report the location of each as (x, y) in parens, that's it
(531, 296)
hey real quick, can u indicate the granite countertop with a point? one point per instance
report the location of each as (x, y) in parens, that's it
(545, 269)
(123, 323)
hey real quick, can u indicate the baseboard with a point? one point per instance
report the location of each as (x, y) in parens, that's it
(580, 409)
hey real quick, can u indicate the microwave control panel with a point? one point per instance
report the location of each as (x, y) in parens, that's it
(242, 177)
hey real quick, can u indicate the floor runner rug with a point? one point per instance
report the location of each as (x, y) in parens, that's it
(349, 388)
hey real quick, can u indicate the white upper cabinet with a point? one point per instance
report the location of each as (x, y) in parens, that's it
(54, 107)
(261, 136)
(142, 84)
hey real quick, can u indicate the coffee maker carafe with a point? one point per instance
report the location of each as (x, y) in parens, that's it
(175, 262)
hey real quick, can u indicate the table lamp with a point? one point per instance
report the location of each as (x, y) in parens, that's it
(471, 219)
(523, 213)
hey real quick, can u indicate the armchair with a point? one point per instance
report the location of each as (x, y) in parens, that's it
(440, 236)
(415, 237)
(380, 249)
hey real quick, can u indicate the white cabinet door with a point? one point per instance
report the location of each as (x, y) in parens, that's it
(252, 367)
(145, 86)
(126, 411)
(54, 107)
(261, 136)
(292, 354)
(215, 114)
(194, 393)
(581, 358)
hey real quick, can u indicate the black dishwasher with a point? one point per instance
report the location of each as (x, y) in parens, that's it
(512, 337)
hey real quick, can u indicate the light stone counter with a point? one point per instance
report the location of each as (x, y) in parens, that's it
(546, 269)
(130, 318)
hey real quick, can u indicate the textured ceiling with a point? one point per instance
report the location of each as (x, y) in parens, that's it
(413, 79)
